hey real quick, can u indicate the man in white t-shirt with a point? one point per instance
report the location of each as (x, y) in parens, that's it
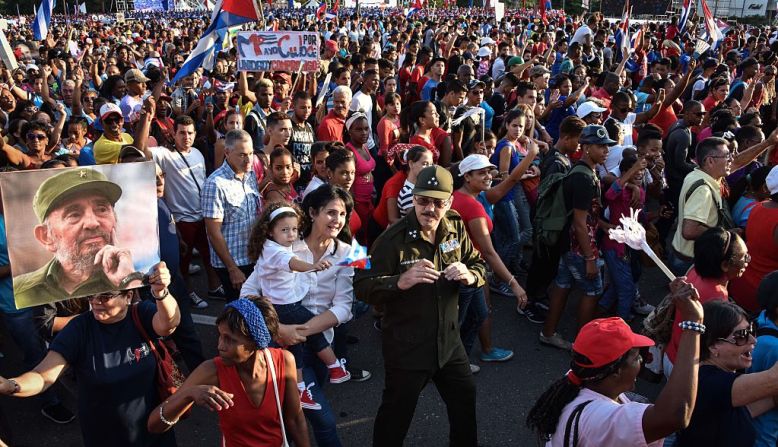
(133, 100)
(363, 100)
(585, 34)
(184, 169)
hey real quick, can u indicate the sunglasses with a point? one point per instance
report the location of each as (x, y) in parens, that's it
(101, 298)
(426, 201)
(112, 120)
(740, 337)
(36, 136)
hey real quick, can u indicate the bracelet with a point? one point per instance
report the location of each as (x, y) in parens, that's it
(16, 385)
(162, 416)
(513, 279)
(692, 326)
(590, 258)
(164, 295)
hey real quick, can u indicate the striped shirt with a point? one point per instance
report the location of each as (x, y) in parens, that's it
(236, 202)
(405, 198)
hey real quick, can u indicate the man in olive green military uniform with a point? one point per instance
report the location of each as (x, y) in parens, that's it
(418, 265)
(78, 224)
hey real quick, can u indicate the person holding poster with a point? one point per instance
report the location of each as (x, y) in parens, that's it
(424, 259)
(112, 362)
(77, 223)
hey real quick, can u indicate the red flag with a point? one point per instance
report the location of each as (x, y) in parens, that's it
(335, 7)
(321, 10)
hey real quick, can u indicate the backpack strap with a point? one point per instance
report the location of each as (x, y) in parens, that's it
(693, 188)
(574, 419)
(724, 216)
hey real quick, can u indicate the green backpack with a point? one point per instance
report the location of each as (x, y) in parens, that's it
(551, 213)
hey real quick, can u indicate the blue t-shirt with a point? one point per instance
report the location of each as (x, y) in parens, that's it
(7, 304)
(428, 92)
(742, 210)
(87, 155)
(556, 117)
(168, 238)
(764, 357)
(488, 115)
(715, 422)
(495, 160)
(116, 375)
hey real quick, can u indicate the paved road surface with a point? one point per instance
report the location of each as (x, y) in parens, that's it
(506, 391)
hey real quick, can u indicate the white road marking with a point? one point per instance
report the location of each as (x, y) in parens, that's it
(206, 320)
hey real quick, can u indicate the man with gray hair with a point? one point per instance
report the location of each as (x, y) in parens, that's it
(331, 127)
(230, 201)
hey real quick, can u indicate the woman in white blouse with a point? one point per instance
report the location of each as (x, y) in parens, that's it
(326, 236)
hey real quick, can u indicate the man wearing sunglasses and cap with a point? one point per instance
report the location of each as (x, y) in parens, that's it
(78, 225)
(424, 259)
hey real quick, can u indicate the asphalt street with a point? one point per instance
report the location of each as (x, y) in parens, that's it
(505, 391)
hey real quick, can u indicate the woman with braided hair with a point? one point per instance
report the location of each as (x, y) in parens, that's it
(587, 406)
(253, 387)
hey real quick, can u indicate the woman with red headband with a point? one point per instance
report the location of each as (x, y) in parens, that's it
(587, 406)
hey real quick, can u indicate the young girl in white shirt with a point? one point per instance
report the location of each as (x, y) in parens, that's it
(286, 279)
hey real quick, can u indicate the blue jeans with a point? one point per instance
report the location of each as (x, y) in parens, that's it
(323, 422)
(523, 211)
(572, 271)
(506, 234)
(678, 266)
(295, 313)
(21, 326)
(622, 288)
(472, 314)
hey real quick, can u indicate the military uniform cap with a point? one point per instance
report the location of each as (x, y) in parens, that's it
(57, 188)
(434, 181)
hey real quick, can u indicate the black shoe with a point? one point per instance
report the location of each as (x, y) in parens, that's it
(352, 340)
(533, 314)
(58, 413)
(542, 304)
(359, 375)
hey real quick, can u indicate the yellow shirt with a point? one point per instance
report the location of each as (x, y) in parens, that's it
(107, 151)
(702, 206)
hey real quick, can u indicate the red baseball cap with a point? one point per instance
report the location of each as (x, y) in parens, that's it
(605, 340)
(331, 45)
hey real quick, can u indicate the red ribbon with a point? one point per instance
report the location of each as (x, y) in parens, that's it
(574, 379)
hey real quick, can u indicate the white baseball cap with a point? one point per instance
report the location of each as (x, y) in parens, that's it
(474, 162)
(589, 107)
(109, 108)
(484, 52)
(772, 181)
(487, 41)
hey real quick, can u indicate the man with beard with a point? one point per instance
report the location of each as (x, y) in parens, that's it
(78, 224)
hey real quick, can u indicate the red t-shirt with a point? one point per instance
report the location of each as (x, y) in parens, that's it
(665, 119)
(764, 256)
(391, 190)
(709, 290)
(354, 222)
(470, 208)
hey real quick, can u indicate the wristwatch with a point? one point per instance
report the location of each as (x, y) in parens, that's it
(134, 276)
(17, 388)
(164, 295)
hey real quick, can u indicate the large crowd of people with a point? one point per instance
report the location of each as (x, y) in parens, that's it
(467, 154)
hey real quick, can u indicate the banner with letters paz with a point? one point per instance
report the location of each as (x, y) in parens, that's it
(278, 51)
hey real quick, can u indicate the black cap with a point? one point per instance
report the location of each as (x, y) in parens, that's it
(475, 83)
(594, 134)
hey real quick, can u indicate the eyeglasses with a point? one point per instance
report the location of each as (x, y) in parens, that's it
(101, 298)
(740, 337)
(32, 109)
(36, 136)
(89, 99)
(728, 156)
(426, 201)
(112, 120)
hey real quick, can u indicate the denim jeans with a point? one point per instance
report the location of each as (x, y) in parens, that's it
(295, 313)
(523, 212)
(21, 326)
(323, 422)
(678, 266)
(506, 234)
(472, 313)
(622, 287)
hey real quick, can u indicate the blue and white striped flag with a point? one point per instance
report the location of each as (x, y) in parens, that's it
(40, 26)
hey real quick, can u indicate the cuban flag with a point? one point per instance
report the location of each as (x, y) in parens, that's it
(40, 27)
(415, 8)
(321, 10)
(357, 257)
(714, 34)
(226, 14)
(335, 7)
(686, 12)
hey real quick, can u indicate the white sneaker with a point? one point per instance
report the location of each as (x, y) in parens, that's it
(475, 369)
(641, 307)
(556, 341)
(198, 302)
(194, 269)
